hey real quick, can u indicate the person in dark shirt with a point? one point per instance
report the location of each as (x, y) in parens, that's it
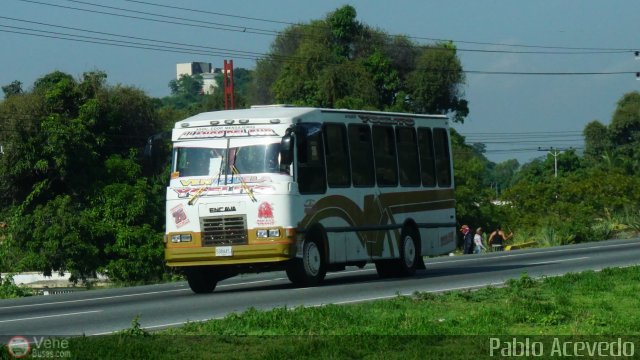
(498, 238)
(468, 239)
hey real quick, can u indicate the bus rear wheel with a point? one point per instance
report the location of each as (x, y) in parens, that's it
(409, 252)
(201, 279)
(311, 269)
(409, 259)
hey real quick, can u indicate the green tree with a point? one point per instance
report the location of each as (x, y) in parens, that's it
(14, 88)
(434, 84)
(502, 174)
(340, 62)
(472, 187)
(625, 130)
(625, 124)
(127, 214)
(596, 140)
(60, 143)
(186, 93)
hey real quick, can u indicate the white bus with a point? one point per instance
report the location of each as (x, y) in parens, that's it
(307, 190)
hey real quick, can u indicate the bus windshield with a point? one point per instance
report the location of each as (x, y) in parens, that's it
(251, 159)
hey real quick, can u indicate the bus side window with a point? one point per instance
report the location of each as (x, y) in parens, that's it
(408, 157)
(385, 156)
(311, 171)
(337, 155)
(427, 159)
(362, 169)
(443, 159)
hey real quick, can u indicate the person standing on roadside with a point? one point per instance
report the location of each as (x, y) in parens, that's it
(477, 240)
(468, 240)
(497, 239)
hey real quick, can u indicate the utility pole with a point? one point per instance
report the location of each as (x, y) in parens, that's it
(555, 152)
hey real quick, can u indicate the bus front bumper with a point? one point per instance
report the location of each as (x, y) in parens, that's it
(231, 255)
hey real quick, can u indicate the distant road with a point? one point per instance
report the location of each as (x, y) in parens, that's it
(160, 306)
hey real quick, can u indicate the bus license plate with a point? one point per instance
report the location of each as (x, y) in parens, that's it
(224, 251)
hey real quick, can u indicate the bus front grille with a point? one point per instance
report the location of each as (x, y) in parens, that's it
(224, 230)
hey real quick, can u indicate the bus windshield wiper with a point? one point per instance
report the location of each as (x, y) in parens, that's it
(245, 187)
(198, 193)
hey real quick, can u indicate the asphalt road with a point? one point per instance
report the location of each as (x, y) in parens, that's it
(160, 306)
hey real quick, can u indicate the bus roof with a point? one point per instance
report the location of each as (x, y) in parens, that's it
(284, 113)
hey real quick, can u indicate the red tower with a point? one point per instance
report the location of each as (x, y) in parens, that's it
(227, 74)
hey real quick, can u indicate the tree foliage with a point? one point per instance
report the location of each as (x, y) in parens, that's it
(57, 174)
(341, 62)
(14, 88)
(588, 188)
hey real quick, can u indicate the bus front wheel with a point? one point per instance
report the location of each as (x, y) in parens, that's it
(311, 268)
(201, 279)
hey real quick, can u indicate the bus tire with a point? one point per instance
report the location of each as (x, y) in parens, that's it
(311, 269)
(201, 279)
(409, 252)
(385, 269)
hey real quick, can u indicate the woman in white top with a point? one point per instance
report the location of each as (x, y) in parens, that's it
(477, 240)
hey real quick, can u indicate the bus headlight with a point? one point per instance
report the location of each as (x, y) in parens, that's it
(274, 232)
(262, 233)
(177, 238)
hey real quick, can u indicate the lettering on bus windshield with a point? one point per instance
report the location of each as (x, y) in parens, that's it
(235, 180)
(386, 120)
(228, 131)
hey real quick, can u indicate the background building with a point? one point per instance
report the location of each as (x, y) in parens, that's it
(203, 69)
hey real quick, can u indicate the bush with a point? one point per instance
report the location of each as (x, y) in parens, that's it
(9, 290)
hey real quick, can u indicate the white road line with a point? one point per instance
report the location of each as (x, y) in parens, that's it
(51, 316)
(557, 261)
(160, 326)
(411, 293)
(128, 295)
(252, 282)
(523, 254)
(91, 299)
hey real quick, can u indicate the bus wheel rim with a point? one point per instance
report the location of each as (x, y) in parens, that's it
(409, 251)
(313, 259)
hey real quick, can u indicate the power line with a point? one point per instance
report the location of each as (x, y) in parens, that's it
(529, 132)
(212, 13)
(244, 29)
(590, 49)
(173, 49)
(124, 36)
(217, 27)
(240, 28)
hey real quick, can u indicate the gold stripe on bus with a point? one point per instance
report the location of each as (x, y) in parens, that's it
(378, 208)
(378, 211)
(440, 205)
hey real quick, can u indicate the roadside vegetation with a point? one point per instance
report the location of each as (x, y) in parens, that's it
(8, 289)
(436, 325)
(77, 196)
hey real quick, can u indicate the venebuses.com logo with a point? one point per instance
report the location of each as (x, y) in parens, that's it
(38, 347)
(18, 346)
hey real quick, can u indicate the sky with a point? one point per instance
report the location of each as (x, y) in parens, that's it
(574, 60)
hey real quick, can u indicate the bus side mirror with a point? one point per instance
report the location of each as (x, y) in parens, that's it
(157, 151)
(286, 150)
